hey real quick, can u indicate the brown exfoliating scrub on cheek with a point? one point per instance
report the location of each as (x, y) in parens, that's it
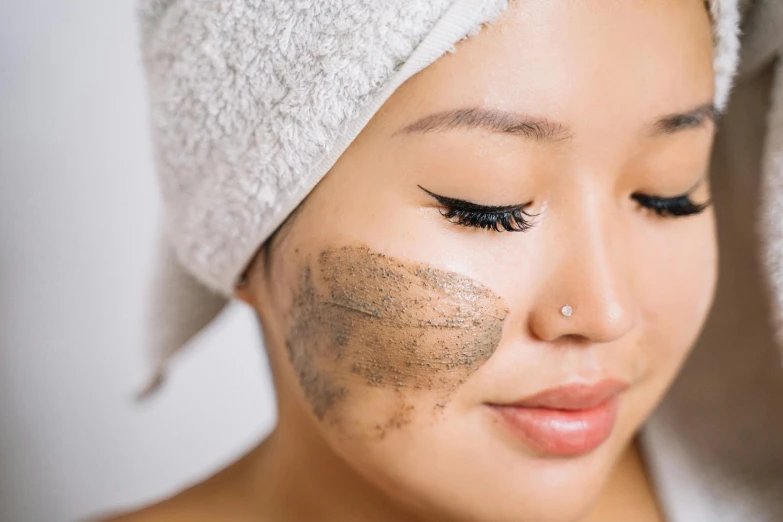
(364, 319)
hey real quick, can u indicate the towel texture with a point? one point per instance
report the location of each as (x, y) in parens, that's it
(253, 101)
(764, 45)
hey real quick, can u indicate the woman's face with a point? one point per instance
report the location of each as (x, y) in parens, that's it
(415, 301)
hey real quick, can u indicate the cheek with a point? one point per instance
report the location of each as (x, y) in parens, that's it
(367, 328)
(676, 284)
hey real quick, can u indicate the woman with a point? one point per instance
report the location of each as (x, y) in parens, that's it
(473, 314)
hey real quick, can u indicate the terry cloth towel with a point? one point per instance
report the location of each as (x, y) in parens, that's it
(253, 101)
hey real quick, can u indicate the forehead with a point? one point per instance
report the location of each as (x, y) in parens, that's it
(587, 63)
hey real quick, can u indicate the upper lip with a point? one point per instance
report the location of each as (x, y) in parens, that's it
(576, 396)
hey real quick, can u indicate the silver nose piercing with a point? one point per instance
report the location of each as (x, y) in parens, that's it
(566, 311)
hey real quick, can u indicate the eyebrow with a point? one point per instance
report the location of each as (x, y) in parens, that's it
(541, 129)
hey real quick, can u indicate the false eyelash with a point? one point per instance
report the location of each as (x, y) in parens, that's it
(509, 218)
(510, 221)
(670, 207)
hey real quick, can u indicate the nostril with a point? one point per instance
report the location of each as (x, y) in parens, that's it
(574, 339)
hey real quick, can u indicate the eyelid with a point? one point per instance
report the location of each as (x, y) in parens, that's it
(685, 194)
(510, 218)
(468, 206)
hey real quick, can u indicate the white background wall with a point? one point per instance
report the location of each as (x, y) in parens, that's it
(78, 214)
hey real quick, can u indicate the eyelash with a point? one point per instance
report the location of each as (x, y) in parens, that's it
(679, 206)
(512, 219)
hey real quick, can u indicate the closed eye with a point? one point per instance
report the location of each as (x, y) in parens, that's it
(678, 206)
(514, 218)
(510, 218)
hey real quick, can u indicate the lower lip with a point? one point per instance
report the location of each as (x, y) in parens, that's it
(563, 433)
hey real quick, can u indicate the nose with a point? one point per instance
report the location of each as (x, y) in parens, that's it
(590, 278)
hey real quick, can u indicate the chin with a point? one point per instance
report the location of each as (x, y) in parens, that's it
(468, 469)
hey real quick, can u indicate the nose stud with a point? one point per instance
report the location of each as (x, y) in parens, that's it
(566, 311)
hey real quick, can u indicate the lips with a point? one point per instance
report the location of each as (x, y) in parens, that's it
(565, 421)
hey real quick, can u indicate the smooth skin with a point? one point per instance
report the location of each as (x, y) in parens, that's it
(607, 78)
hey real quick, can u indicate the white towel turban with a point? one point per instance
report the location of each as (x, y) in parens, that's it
(253, 101)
